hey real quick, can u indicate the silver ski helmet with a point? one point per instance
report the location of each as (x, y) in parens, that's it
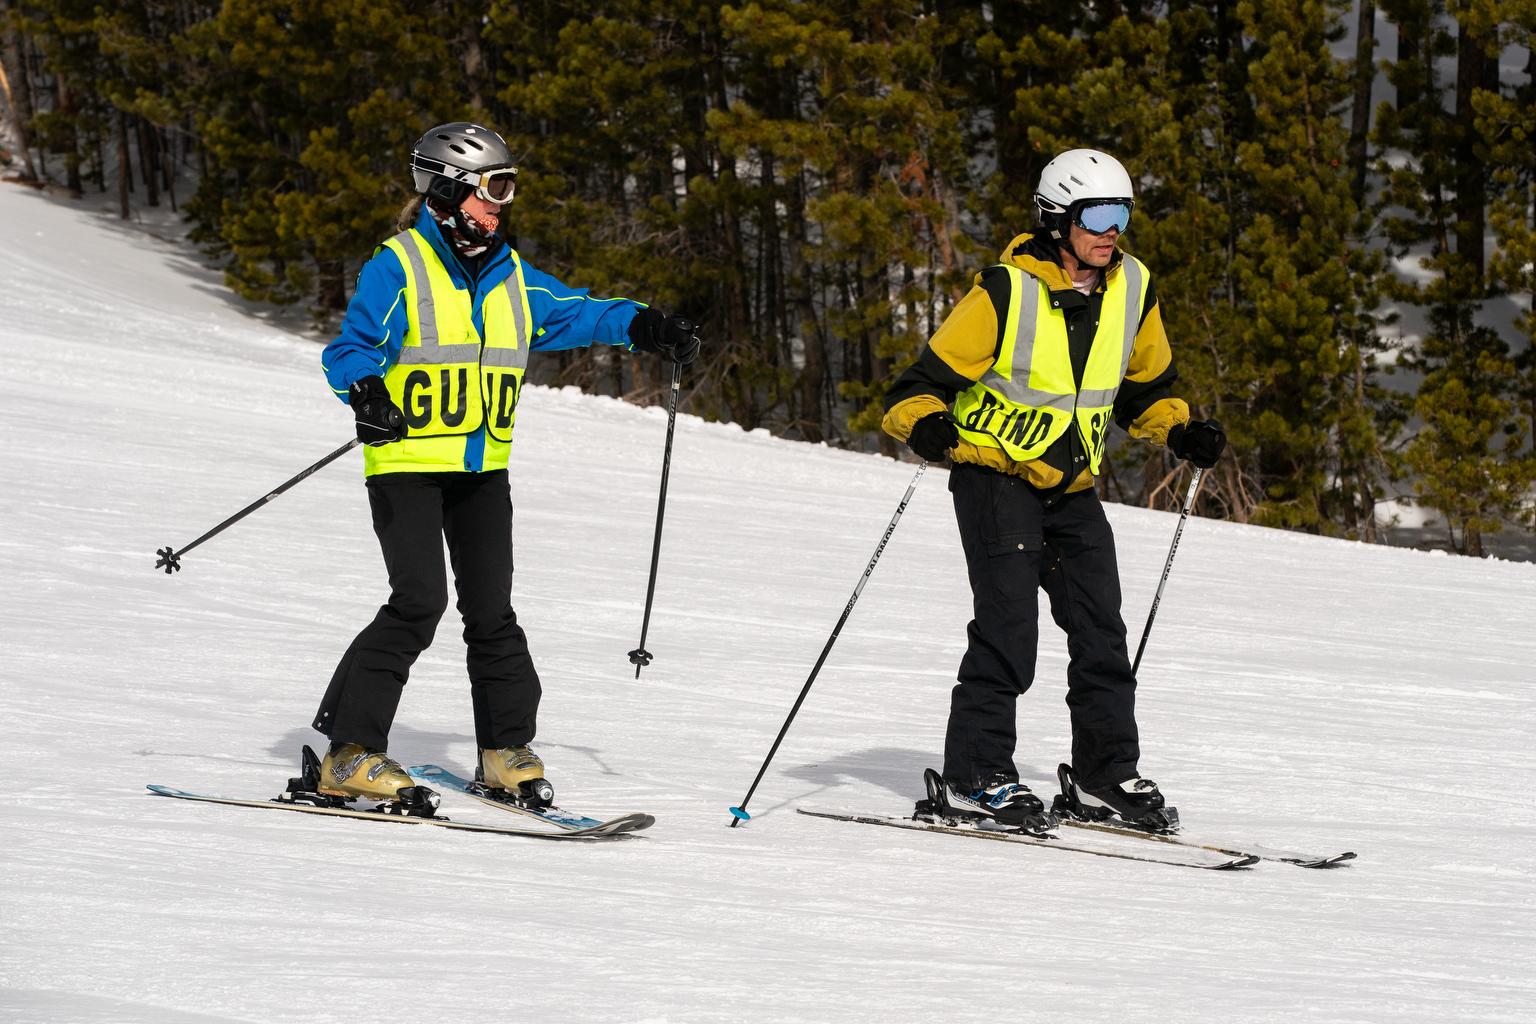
(453, 161)
(1087, 188)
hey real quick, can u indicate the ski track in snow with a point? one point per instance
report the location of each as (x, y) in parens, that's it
(1296, 692)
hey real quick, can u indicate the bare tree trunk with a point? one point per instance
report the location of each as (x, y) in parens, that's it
(814, 414)
(64, 103)
(332, 284)
(879, 283)
(769, 309)
(147, 162)
(124, 167)
(745, 407)
(1409, 48)
(1364, 475)
(1472, 74)
(1360, 114)
(474, 60)
(99, 161)
(18, 101)
(165, 145)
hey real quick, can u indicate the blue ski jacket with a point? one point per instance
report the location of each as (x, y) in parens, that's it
(375, 323)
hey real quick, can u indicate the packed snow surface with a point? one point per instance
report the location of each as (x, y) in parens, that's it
(1296, 692)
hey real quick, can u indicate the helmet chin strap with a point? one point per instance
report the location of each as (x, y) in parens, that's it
(1058, 225)
(450, 193)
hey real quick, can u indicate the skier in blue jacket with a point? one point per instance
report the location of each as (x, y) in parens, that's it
(431, 358)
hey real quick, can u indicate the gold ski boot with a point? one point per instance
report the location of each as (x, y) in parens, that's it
(352, 770)
(519, 773)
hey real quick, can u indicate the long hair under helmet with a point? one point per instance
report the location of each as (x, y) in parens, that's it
(1078, 181)
(453, 161)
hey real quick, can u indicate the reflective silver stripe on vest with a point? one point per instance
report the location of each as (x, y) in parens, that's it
(514, 286)
(1024, 348)
(1018, 390)
(511, 358)
(428, 352)
(1131, 270)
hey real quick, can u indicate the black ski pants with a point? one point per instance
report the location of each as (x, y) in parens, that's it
(1017, 542)
(412, 513)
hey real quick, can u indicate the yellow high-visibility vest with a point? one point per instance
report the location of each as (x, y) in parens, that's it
(449, 381)
(1028, 399)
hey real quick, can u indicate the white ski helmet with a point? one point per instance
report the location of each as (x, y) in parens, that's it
(1079, 179)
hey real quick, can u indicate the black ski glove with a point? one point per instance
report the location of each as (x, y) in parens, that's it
(672, 337)
(1198, 441)
(379, 421)
(933, 436)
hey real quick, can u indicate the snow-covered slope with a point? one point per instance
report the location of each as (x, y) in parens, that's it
(1296, 691)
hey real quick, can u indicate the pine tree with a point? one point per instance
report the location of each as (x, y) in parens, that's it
(617, 191)
(1308, 338)
(68, 113)
(818, 181)
(1465, 459)
(16, 83)
(1230, 118)
(306, 113)
(1506, 120)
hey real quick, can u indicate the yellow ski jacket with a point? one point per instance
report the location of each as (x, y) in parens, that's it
(966, 346)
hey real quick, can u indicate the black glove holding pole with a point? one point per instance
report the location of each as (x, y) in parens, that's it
(933, 436)
(673, 337)
(379, 420)
(1198, 441)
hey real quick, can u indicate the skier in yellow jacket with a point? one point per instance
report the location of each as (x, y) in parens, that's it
(1018, 387)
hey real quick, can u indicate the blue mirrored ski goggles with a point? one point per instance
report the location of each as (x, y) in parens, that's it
(1100, 217)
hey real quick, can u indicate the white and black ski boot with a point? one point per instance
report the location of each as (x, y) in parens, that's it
(1134, 802)
(515, 775)
(352, 772)
(1001, 799)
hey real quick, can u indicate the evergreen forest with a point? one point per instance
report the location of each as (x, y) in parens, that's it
(1335, 198)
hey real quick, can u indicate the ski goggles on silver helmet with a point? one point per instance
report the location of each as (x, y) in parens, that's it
(1099, 216)
(495, 185)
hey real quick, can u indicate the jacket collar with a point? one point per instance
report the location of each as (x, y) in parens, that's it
(1038, 257)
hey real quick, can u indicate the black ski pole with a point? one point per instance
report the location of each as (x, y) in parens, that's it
(739, 812)
(170, 559)
(1189, 501)
(640, 657)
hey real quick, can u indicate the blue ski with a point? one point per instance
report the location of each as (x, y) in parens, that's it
(437, 821)
(438, 776)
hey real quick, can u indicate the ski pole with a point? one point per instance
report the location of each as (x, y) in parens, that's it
(640, 657)
(739, 812)
(1189, 501)
(170, 559)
